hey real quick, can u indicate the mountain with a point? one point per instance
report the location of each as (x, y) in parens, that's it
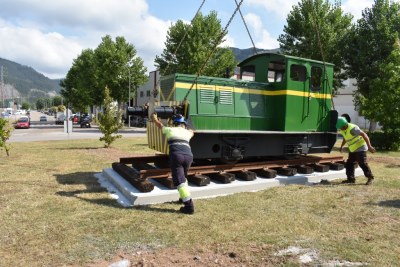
(27, 81)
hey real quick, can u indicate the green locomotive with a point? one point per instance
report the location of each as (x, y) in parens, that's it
(284, 108)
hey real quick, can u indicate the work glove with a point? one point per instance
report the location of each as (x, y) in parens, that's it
(153, 117)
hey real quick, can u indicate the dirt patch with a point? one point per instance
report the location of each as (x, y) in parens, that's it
(251, 256)
(222, 255)
(385, 160)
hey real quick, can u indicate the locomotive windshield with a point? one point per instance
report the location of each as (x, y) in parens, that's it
(316, 78)
(298, 73)
(276, 70)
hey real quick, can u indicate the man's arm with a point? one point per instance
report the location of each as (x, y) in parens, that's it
(366, 139)
(155, 119)
(341, 146)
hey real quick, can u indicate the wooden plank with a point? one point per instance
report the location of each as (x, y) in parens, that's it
(132, 177)
(199, 179)
(266, 173)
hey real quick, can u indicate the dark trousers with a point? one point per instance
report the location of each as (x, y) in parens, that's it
(361, 159)
(180, 165)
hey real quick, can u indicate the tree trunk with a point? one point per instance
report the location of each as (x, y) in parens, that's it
(372, 125)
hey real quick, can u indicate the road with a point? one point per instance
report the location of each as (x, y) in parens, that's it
(44, 131)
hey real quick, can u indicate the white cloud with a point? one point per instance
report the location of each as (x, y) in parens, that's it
(355, 7)
(229, 41)
(49, 35)
(278, 7)
(255, 22)
(49, 53)
(262, 37)
(267, 42)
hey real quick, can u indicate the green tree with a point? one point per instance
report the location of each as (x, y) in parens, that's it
(79, 86)
(202, 36)
(314, 29)
(25, 105)
(57, 100)
(116, 65)
(113, 64)
(110, 120)
(385, 107)
(367, 46)
(40, 104)
(5, 133)
(61, 108)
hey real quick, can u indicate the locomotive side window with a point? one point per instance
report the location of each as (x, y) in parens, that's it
(248, 73)
(298, 73)
(276, 70)
(316, 78)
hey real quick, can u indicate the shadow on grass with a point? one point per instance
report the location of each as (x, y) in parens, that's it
(39, 183)
(91, 186)
(395, 203)
(155, 209)
(78, 148)
(393, 166)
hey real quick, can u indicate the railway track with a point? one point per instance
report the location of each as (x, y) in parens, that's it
(138, 170)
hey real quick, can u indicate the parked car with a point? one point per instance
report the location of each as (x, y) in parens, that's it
(60, 118)
(43, 118)
(23, 123)
(85, 122)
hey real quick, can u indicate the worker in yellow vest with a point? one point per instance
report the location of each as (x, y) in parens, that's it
(180, 157)
(358, 144)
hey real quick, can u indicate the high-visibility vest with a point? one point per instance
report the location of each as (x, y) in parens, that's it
(353, 142)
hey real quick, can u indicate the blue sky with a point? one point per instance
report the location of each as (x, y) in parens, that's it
(48, 35)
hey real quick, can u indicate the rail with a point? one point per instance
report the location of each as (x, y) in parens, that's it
(156, 167)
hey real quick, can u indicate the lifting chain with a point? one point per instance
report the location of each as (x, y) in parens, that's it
(155, 90)
(214, 49)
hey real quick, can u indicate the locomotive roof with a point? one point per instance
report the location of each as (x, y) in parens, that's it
(269, 54)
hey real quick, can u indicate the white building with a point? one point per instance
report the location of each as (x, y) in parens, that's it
(145, 92)
(344, 103)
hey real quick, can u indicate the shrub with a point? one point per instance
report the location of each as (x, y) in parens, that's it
(5, 133)
(386, 140)
(109, 121)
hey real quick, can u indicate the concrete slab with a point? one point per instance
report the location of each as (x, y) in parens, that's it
(128, 195)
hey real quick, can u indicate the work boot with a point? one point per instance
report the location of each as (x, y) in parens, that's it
(188, 208)
(349, 181)
(370, 181)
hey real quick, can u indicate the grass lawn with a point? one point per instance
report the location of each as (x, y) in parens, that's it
(54, 213)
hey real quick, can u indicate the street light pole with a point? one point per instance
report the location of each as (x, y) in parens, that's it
(129, 95)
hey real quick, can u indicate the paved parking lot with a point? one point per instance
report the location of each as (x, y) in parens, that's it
(57, 133)
(44, 131)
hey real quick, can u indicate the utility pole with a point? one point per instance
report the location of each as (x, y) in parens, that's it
(129, 93)
(2, 85)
